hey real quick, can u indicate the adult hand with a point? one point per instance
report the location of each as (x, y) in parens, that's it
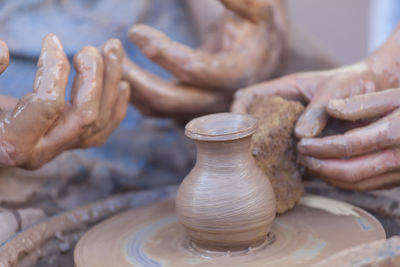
(364, 158)
(246, 47)
(361, 159)
(41, 125)
(314, 88)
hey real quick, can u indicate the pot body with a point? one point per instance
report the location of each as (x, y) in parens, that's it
(226, 202)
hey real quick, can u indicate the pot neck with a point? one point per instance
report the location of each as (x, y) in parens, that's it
(212, 152)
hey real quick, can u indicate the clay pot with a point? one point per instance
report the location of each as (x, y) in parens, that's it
(226, 202)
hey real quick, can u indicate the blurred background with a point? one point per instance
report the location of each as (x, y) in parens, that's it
(347, 29)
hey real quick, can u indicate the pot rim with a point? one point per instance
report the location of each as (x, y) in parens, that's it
(221, 127)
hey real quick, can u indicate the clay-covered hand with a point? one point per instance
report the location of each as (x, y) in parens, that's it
(41, 125)
(314, 88)
(245, 47)
(363, 158)
(379, 71)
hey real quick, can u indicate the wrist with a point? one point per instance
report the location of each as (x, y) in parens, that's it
(384, 61)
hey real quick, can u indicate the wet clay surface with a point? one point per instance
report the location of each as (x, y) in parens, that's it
(151, 235)
(225, 202)
(383, 253)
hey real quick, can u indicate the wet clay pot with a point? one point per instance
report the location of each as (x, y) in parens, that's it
(226, 202)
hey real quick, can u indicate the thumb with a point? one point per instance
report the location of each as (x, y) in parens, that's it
(346, 81)
(313, 120)
(300, 87)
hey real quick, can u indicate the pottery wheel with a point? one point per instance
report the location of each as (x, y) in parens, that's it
(152, 236)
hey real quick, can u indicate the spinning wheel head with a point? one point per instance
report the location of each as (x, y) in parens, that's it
(152, 236)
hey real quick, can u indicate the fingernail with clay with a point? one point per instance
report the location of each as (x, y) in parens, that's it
(304, 128)
(335, 105)
(113, 49)
(309, 162)
(304, 145)
(311, 122)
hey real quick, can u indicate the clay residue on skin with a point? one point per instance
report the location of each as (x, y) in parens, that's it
(241, 50)
(378, 72)
(30, 128)
(181, 102)
(241, 59)
(384, 62)
(365, 157)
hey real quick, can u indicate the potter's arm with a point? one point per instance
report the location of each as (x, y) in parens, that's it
(244, 50)
(40, 125)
